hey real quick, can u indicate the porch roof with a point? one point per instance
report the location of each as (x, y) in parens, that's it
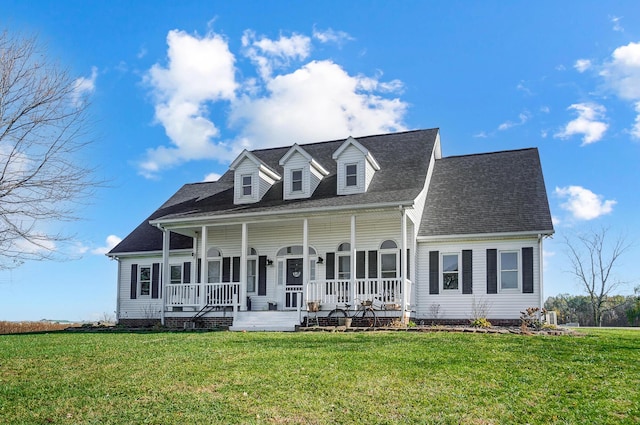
(404, 162)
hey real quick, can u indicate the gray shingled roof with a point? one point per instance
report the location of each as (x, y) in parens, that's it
(487, 193)
(403, 158)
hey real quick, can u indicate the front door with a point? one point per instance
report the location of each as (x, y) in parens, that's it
(294, 286)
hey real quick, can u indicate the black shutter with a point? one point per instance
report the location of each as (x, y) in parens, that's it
(236, 270)
(373, 264)
(226, 269)
(330, 268)
(434, 273)
(134, 281)
(408, 263)
(360, 264)
(492, 271)
(262, 275)
(199, 271)
(467, 271)
(186, 272)
(155, 280)
(527, 270)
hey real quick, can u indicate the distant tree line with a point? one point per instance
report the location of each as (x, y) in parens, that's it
(616, 310)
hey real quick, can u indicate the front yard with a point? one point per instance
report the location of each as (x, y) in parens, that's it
(385, 377)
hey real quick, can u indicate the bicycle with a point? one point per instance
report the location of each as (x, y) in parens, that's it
(365, 312)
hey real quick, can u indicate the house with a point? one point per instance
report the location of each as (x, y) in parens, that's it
(383, 218)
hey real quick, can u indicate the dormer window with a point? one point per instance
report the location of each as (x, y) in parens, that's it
(247, 185)
(356, 167)
(302, 173)
(252, 178)
(296, 180)
(351, 174)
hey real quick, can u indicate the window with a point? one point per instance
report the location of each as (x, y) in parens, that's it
(252, 269)
(351, 175)
(344, 261)
(296, 180)
(247, 185)
(214, 265)
(450, 272)
(176, 274)
(509, 270)
(389, 260)
(145, 280)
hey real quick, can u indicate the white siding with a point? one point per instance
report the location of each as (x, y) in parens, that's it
(246, 167)
(296, 162)
(141, 307)
(314, 180)
(351, 155)
(503, 305)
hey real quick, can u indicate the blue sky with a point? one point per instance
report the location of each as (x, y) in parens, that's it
(179, 88)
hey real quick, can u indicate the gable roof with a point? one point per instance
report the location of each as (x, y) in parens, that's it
(297, 148)
(365, 152)
(404, 162)
(245, 154)
(496, 192)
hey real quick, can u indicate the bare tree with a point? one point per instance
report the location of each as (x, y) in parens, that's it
(43, 130)
(593, 259)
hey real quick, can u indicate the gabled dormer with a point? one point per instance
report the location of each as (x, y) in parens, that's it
(355, 167)
(252, 178)
(302, 173)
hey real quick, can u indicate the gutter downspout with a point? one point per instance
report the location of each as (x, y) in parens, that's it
(403, 266)
(541, 260)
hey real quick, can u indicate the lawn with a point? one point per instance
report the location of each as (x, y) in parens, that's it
(375, 378)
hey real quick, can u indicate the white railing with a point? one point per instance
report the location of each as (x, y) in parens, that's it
(196, 294)
(335, 292)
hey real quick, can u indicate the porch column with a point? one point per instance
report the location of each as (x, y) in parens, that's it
(203, 265)
(352, 273)
(243, 268)
(403, 266)
(165, 277)
(305, 261)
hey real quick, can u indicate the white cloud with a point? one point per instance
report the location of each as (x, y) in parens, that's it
(617, 26)
(200, 70)
(84, 86)
(269, 54)
(582, 203)
(635, 130)
(331, 36)
(622, 72)
(582, 65)
(481, 135)
(212, 177)
(318, 101)
(287, 102)
(587, 123)
(545, 109)
(111, 242)
(523, 118)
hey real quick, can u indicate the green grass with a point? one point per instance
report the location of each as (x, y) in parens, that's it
(375, 378)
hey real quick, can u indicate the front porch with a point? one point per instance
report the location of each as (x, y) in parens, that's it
(219, 303)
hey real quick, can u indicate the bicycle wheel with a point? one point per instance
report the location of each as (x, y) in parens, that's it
(369, 317)
(334, 315)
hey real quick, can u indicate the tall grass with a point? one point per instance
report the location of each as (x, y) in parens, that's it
(24, 327)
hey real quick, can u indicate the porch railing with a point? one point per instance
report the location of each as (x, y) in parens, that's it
(333, 292)
(196, 294)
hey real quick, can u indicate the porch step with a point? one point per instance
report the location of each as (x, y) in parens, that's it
(283, 321)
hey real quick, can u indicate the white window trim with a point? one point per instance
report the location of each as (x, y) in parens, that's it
(394, 251)
(181, 273)
(217, 260)
(518, 271)
(243, 186)
(140, 267)
(442, 288)
(301, 190)
(346, 175)
(257, 272)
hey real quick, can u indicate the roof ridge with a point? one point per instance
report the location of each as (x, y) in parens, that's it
(491, 153)
(322, 142)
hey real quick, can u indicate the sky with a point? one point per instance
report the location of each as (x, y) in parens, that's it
(178, 89)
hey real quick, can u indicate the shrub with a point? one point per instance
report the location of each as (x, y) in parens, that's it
(481, 322)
